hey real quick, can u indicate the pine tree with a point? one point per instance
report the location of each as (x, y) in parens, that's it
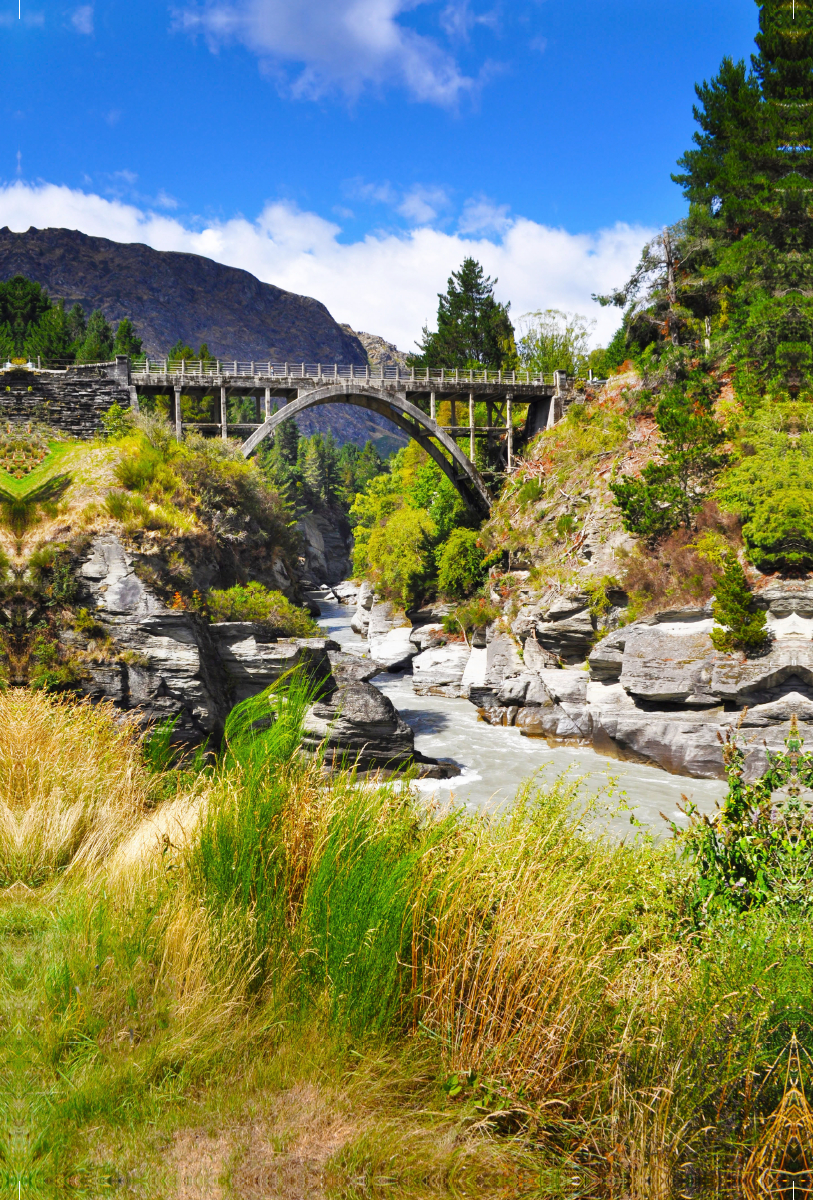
(22, 304)
(49, 340)
(474, 330)
(744, 627)
(98, 341)
(126, 341)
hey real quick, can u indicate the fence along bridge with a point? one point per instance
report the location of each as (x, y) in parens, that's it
(401, 395)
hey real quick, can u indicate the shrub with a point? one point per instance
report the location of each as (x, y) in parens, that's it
(460, 564)
(400, 554)
(744, 626)
(117, 421)
(474, 614)
(253, 602)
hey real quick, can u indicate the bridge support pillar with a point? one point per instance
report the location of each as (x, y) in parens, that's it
(267, 405)
(224, 415)
(133, 398)
(178, 425)
(432, 407)
(509, 429)
(471, 426)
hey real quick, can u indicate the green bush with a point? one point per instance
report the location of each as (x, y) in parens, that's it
(474, 614)
(400, 555)
(744, 626)
(460, 564)
(253, 602)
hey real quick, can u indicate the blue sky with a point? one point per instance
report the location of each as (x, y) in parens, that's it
(325, 144)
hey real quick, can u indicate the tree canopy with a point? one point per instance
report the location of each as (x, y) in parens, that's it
(474, 330)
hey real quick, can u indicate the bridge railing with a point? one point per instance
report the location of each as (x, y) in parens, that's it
(191, 369)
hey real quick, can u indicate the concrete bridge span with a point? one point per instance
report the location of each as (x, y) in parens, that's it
(516, 404)
(457, 467)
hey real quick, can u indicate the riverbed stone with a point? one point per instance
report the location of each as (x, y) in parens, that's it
(394, 651)
(440, 671)
(360, 726)
(569, 637)
(669, 663)
(502, 662)
(428, 637)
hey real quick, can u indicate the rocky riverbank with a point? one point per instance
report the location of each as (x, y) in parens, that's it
(653, 690)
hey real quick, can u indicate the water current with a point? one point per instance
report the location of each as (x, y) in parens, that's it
(494, 762)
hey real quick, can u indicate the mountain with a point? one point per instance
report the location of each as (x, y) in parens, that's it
(171, 296)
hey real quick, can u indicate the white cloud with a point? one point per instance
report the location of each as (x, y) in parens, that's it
(480, 215)
(421, 204)
(385, 283)
(82, 19)
(334, 44)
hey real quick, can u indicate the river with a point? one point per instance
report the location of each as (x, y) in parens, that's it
(494, 762)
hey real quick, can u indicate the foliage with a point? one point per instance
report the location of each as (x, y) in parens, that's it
(476, 613)
(474, 330)
(118, 422)
(743, 625)
(402, 522)
(771, 488)
(400, 554)
(460, 564)
(555, 341)
(757, 850)
(126, 341)
(671, 491)
(254, 602)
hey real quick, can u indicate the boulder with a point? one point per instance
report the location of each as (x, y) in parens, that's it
(351, 668)
(536, 657)
(440, 671)
(570, 636)
(670, 663)
(546, 721)
(384, 616)
(393, 651)
(253, 659)
(606, 657)
(428, 637)
(502, 662)
(359, 725)
(360, 621)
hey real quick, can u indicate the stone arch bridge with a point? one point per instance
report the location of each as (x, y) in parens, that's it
(518, 404)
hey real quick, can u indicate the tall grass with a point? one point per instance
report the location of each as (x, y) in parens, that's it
(544, 979)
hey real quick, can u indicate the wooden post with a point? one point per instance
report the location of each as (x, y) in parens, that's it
(178, 426)
(453, 404)
(471, 426)
(509, 430)
(432, 412)
(224, 415)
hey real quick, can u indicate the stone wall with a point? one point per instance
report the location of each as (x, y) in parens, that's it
(72, 402)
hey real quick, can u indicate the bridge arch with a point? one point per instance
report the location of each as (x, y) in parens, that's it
(412, 420)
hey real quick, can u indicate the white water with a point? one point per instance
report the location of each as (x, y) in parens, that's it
(495, 761)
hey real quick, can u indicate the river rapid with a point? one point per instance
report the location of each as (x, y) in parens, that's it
(495, 762)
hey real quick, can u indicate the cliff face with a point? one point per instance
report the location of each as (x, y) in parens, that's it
(171, 296)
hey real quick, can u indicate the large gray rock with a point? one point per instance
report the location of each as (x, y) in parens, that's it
(359, 726)
(569, 636)
(439, 672)
(394, 651)
(502, 662)
(254, 659)
(606, 658)
(428, 637)
(669, 663)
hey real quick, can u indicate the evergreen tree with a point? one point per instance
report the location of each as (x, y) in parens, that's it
(126, 341)
(97, 345)
(77, 327)
(744, 627)
(318, 466)
(474, 330)
(49, 340)
(22, 304)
